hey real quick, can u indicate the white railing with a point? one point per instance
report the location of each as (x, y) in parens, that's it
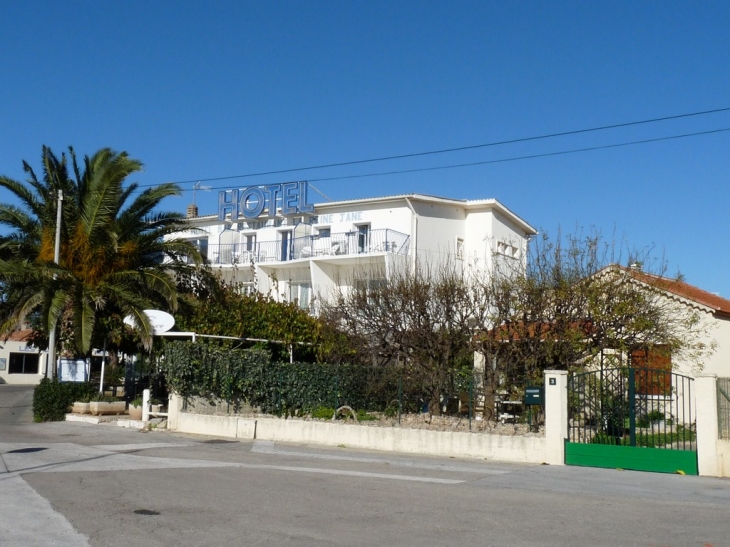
(313, 246)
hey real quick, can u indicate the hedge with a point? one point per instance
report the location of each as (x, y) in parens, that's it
(52, 399)
(205, 369)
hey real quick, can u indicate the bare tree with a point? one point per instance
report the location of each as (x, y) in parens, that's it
(419, 321)
(569, 307)
(574, 305)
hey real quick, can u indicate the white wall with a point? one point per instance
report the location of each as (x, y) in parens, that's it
(12, 346)
(719, 362)
(515, 448)
(393, 216)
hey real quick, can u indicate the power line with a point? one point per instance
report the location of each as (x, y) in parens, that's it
(514, 158)
(529, 157)
(462, 148)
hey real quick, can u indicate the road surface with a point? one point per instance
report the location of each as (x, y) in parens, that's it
(74, 485)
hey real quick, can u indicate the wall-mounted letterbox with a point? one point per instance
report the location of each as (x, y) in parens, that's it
(534, 395)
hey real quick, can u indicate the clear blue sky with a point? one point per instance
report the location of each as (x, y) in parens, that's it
(212, 89)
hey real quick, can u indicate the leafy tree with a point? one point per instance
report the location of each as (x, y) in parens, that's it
(215, 307)
(117, 256)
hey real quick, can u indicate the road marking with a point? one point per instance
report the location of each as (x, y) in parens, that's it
(67, 457)
(349, 473)
(27, 519)
(267, 447)
(138, 446)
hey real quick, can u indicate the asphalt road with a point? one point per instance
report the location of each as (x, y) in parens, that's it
(71, 484)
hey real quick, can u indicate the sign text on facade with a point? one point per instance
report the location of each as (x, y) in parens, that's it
(251, 202)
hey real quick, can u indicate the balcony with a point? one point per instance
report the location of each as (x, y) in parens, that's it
(335, 245)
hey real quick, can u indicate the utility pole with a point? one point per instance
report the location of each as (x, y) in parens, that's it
(56, 260)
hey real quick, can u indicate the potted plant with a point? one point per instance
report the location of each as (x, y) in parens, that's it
(155, 404)
(106, 405)
(135, 408)
(82, 406)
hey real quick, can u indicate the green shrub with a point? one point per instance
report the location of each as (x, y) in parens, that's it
(99, 397)
(604, 438)
(52, 399)
(391, 411)
(682, 435)
(363, 416)
(649, 418)
(323, 413)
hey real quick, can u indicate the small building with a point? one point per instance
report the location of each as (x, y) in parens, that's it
(20, 361)
(270, 239)
(713, 314)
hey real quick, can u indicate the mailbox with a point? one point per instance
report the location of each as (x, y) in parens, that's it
(534, 395)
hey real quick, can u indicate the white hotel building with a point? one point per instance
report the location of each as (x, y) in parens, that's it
(295, 250)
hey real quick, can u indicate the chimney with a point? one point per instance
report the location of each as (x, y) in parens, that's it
(192, 211)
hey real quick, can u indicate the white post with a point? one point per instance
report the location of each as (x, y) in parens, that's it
(101, 382)
(173, 411)
(103, 363)
(146, 405)
(556, 416)
(706, 421)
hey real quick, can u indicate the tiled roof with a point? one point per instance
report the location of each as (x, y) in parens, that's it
(19, 335)
(683, 290)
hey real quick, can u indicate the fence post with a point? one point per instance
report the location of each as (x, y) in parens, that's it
(706, 422)
(337, 398)
(146, 405)
(556, 416)
(173, 411)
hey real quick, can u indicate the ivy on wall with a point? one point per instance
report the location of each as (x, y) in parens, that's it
(213, 371)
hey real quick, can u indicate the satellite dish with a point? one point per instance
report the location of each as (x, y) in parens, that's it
(161, 321)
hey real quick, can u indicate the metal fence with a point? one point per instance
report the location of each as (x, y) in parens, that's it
(311, 246)
(723, 408)
(631, 407)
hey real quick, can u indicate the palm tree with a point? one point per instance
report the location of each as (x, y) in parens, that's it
(118, 254)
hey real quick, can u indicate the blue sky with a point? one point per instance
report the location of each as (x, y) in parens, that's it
(202, 90)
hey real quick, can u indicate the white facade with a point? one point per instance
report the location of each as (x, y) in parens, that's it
(298, 256)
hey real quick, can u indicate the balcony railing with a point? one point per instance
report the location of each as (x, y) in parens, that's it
(314, 246)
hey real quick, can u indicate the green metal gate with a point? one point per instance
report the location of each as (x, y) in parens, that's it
(632, 418)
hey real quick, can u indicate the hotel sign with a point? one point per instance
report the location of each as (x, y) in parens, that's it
(251, 202)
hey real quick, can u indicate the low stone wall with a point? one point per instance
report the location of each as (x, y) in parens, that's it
(528, 448)
(723, 458)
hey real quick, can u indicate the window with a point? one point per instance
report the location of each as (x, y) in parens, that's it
(201, 244)
(460, 248)
(323, 232)
(363, 238)
(653, 367)
(371, 287)
(508, 250)
(250, 241)
(285, 245)
(23, 363)
(301, 294)
(247, 288)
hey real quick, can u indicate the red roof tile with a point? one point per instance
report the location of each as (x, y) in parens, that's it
(683, 290)
(20, 335)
